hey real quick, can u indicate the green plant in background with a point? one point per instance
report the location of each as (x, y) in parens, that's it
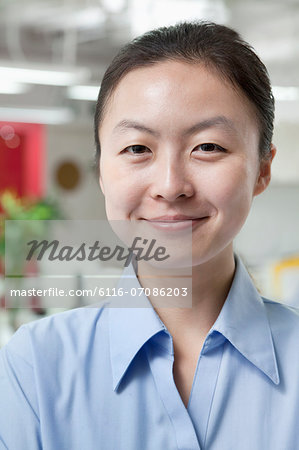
(36, 215)
(14, 208)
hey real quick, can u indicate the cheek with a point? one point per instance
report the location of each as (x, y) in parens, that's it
(123, 189)
(233, 193)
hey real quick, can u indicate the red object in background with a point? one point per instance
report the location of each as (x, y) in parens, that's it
(22, 149)
(22, 152)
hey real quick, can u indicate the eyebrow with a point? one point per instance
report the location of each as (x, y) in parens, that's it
(217, 121)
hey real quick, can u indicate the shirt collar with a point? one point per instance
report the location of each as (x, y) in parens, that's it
(242, 321)
(132, 322)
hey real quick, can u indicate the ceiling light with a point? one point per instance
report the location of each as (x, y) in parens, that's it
(51, 116)
(83, 92)
(10, 87)
(285, 93)
(42, 76)
(115, 6)
(149, 14)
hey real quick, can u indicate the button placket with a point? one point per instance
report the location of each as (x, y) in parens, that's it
(161, 364)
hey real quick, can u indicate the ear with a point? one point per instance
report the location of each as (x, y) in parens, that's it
(264, 175)
(101, 184)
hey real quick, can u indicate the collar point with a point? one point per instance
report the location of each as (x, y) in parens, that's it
(115, 385)
(275, 378)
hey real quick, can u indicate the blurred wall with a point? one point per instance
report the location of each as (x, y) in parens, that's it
(74, 143)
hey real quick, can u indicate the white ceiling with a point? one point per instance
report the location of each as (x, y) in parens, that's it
(87, 33)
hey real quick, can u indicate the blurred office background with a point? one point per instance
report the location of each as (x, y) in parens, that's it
(53, 54)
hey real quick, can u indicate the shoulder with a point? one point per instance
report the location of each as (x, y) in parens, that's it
(61, 333)
(281, 315)
(284, 325)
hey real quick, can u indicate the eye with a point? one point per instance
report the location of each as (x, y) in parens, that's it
(136, 149)
(209, 148)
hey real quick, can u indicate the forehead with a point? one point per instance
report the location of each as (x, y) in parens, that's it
(174, 94)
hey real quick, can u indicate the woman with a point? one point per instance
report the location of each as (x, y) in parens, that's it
(183, 128)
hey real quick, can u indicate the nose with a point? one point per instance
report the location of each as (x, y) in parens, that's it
(171, 180)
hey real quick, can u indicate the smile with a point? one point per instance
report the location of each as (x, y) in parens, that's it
(176, 224)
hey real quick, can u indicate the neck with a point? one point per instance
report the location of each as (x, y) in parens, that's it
(211, 282)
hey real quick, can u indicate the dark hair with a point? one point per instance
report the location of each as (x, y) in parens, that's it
(217, 47)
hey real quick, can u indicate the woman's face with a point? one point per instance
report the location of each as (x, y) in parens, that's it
(179, 143)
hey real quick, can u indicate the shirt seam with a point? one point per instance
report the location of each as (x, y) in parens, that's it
(279, 303)
(213, 395)
(5, 446)
(169, 416)
(34, 374)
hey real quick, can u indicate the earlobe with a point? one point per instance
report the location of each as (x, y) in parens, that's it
(264, 176)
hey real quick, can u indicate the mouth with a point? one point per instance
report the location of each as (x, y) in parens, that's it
(176, 223)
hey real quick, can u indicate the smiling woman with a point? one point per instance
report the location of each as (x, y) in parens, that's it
(183, 128)
(185, 151)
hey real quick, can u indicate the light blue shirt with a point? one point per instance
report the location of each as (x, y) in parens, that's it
(101, 378)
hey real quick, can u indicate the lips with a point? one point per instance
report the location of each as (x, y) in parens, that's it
(174, 218)
(175, 222)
